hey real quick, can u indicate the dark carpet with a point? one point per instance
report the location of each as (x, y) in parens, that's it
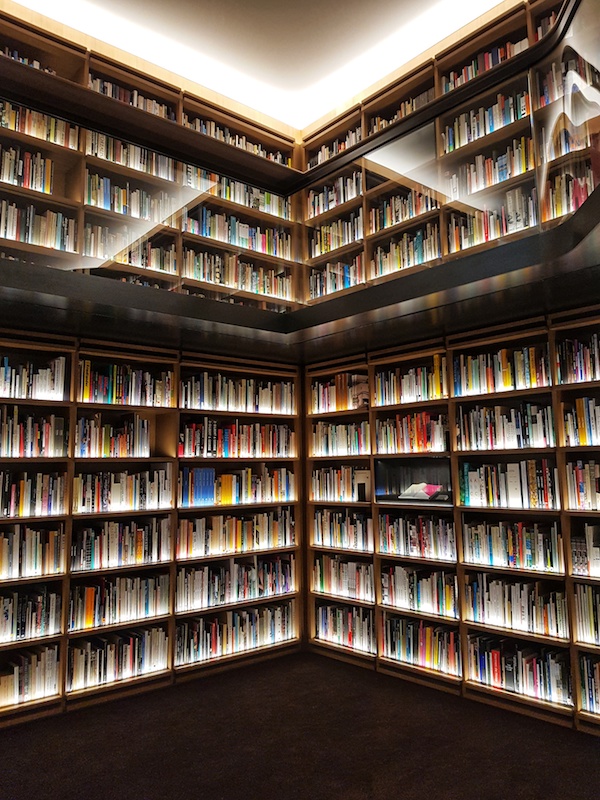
(301, 727)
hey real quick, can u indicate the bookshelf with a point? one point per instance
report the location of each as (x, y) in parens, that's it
(218, 470)
(111, 581)
(340, 568)
(238, 557)
(487, 587)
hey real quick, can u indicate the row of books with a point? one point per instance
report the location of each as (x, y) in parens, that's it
(201, 486)
(27, 552)
(220, 584)
(136, 202)
(108, 243)
(340, 484)
(116, 657)
(9, 52)
(336, 234)
(327, 151)
(488, 170)
(120, 543)
(209, 391)
(530, 606)
(503, 428)
(221, 534)
(537, 672)
(481, 63)
(565, 139)
(400, 208)
(347, 626)
(31, 674)
(223, 133)
(211, 438)
(345, 390)
(585, 551)
(341, 190)
(514, 545)
(25, 435)
(52, 229)
(471, 125)
(128, 439)
(236, 191)
(25, 494)
(334, 277)
(132, 97)
(123, 384)
(583, 485)
(565, 77)
(234, 632)
(566, 192)
(31, 381)
(110, 601)
(578, 360)
(30, 613)
(127, 490)
(582, 423)
(144, 254)
(409, 250)
(501, 371)
(417, 537)
(517, 212)
(408, 106)
(338, 576)
(422, 644)
(18, 118)
(351, 438)
(130, 155)
(28, 170)
(344, 530)
(228, 269)
(231, 230)
(529, 483)
(412, 384)
(421, 432)
(420, 590)
(587, 613)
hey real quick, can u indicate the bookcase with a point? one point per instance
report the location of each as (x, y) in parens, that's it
(427, 511)
(340, 569)
(478, 530)
(151, 522)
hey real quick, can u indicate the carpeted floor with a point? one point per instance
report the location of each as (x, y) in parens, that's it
(302, 727)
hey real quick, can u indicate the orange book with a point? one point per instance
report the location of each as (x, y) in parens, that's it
(90, 603)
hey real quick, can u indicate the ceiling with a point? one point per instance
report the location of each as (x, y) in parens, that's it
(294, 61)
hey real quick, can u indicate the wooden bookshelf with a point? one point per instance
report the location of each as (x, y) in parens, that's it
(97, 556)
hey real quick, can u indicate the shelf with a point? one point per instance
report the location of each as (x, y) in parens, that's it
(251, 601)
(526, 573)
(181, 669)
(408, 224)
(334, 254)
(117, 626)
(518, 634)
(255, 255)
(345, 599)
(417, 561)
(90, 573)
(343, 649)
(334, 212)
(410, 612)
(425, 672)
(505, 695)
(33, 642)
(54, 577)
(185, 560)
(101, 688)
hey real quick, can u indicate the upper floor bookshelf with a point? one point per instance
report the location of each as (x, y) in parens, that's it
(493, 165)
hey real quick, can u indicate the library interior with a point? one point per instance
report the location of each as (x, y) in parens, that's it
(331, 354)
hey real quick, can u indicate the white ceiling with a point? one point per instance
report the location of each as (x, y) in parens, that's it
(292, 60)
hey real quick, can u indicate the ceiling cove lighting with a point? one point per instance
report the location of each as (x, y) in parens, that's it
(296, 108)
